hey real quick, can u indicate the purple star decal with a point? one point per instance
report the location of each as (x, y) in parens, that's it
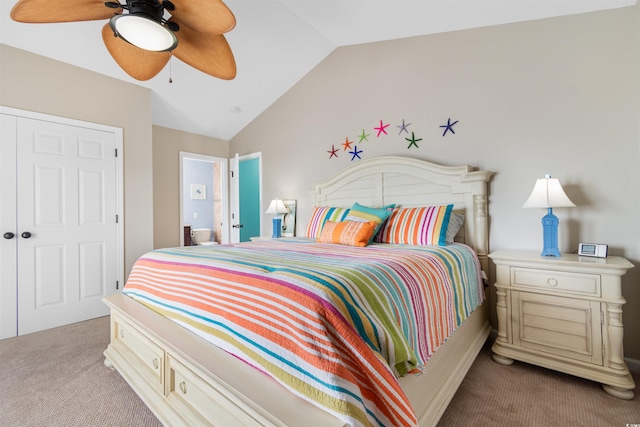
(413, 140)
(364, 137)
(333, 152)
(381, 129)
(448, 127)
(403, 127)
(355, 153)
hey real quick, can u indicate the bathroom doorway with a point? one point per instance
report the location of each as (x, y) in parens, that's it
(203, 197)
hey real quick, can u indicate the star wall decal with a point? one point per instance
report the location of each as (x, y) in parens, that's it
(413, 140)
(347, 144)
(403, 127)
(333, 152)
(355, 153)
(364, 136)
(448, 127)
(381, 129)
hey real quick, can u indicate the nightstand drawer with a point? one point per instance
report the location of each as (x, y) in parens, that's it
(579, 283)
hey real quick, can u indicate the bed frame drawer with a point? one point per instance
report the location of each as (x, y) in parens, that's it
(199, 402)
(141, 352)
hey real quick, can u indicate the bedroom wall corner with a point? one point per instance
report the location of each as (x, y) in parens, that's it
(36, 83)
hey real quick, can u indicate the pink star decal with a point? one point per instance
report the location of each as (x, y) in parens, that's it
(333, 152)
(381, 129)
(347, 144)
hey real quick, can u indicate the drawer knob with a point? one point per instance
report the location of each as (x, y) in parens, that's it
(183, 387)
(156, 363)
(552, 282)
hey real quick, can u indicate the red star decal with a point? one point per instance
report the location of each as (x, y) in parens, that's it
(347, 144)
(381, 129)
(333, 152)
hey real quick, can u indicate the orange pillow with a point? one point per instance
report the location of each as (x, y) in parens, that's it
(352, 233)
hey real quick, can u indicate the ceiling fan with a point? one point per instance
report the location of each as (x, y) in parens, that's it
(142, 40)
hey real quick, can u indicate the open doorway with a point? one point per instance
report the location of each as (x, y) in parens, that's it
(203, 199)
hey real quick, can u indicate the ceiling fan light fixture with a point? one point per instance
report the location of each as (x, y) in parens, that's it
(143, 32)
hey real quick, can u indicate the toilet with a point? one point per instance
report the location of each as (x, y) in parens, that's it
(202, 236)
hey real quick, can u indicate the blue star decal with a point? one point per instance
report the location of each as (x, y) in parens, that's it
(413, 140)
(403, 127)
(355, 153)
(448, 127)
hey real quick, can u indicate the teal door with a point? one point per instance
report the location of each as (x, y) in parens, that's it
(249, 197)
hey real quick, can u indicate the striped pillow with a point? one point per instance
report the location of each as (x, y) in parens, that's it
(352, 233)
(417, 226)
(322, 214)
(363, 213)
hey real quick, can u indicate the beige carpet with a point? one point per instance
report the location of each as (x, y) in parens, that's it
(57, 378)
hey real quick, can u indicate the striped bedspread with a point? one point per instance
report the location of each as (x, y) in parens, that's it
(333, 324)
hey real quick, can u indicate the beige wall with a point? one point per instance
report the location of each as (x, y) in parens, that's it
(35, 83)
(559, 96)
(167, 145)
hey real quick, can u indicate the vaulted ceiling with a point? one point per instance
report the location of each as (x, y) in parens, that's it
(275, 43)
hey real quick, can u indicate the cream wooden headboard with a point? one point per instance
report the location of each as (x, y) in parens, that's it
(412, 182)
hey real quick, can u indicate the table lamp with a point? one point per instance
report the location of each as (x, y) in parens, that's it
(277, 207)
(548, 193)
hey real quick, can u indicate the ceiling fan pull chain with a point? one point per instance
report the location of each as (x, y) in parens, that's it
(170, 69)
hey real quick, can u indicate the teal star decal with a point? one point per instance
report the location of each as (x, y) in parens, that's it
(355, 153)
(448, 127)
(413, 140)
(363, 136)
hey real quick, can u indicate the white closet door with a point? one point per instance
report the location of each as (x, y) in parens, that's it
(67, 231)
(8, 242)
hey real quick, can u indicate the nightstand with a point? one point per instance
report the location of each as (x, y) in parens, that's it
(563, 313)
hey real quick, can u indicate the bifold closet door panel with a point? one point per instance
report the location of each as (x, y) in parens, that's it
(8, 272)
(67, 228)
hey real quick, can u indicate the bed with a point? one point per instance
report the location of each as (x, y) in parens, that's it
(187, 380)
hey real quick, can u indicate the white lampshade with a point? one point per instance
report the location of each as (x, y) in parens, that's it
(548, 193)
(276, 207)
(144, 33)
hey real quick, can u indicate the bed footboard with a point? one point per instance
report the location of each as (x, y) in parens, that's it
(185, 380)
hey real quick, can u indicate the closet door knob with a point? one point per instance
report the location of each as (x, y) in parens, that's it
(26, 234)
(8, 235)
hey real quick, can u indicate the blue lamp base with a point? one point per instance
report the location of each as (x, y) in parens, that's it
(277, 228)
(550, 234)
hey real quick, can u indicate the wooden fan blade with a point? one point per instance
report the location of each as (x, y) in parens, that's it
(207, 16)
(48, 11)
(208, 52)
(138, 63)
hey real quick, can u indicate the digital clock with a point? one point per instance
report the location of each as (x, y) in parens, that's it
(592, 249)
